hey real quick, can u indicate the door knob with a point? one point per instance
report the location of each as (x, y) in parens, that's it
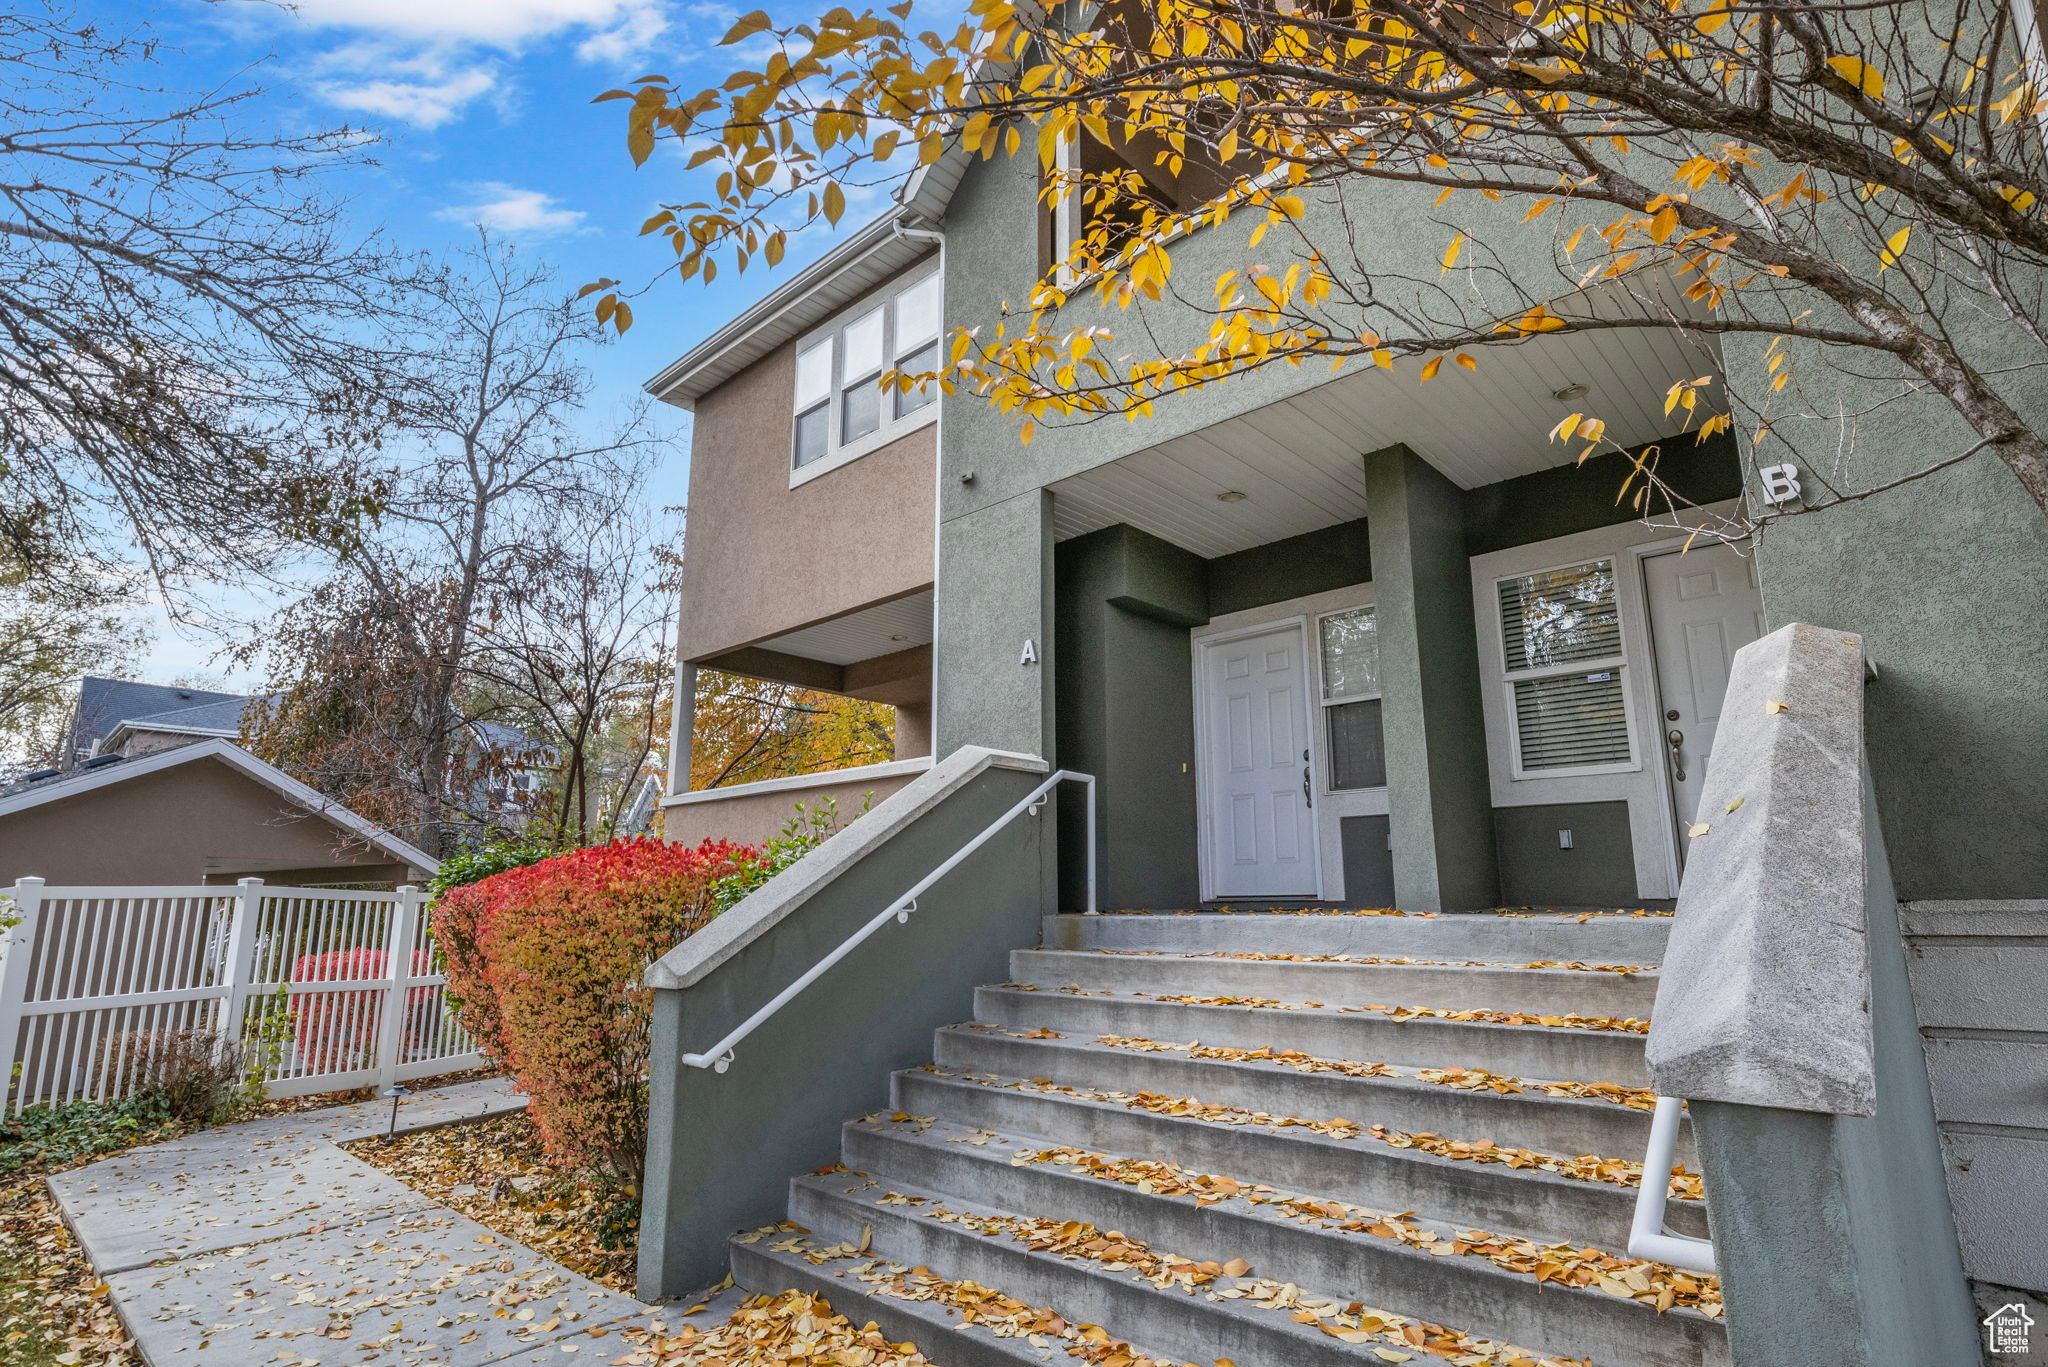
(1676, 737)
(1307, 797)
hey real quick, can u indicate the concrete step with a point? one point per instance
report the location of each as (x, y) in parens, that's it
(1504, 987)
(1330, 1032)
(1474, 935)
(937, 1330)
(844, 1206)
(1346, 1166)
(1529, 1119)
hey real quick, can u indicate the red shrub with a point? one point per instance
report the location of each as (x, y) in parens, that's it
(337, 1031)
(545, 962)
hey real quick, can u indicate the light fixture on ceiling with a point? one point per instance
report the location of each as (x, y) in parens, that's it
(899, 638)
(1231, 496)
(1571, 391)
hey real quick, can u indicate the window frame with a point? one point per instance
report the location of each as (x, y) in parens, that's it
(1326, 701)
(892, 425)
(1615, 664)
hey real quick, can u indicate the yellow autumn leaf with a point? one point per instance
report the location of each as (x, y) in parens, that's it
(1451, 252)
(1697, 829)
(1893, 246)
(1860, 74)
(1466, 361)
(1430, 368)
(1774, 707)
(1736, 803)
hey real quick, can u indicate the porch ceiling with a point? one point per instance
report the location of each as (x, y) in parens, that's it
(1297, 461)
(882, 629)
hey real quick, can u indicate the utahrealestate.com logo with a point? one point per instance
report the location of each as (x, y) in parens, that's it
(2008, 1329)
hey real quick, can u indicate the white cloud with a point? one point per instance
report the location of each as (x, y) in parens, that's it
(496, 23)
(635, 30)
(508, 209)
(427, 103)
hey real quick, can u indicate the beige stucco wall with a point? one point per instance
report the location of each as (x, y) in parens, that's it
(172, 826)
(750, 818)
(764, 558)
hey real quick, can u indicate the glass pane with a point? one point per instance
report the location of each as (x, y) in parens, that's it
(1571, 720)
(861, 411)
(1560, 616)
(1351, 653)
(923, 361)
(812, 434)
(917, 313)
(814, 373)
(1358, 747)
(863, 346)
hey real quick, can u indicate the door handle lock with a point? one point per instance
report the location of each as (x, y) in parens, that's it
(1306, 796)
(1675, 738)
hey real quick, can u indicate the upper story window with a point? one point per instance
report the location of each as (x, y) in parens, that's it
(843, 411)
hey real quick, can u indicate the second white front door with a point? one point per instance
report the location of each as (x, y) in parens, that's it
(1261, 836)
(1704, 606)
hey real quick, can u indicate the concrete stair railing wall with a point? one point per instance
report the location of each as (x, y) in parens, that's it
(722, 1144)
(1785, 1020)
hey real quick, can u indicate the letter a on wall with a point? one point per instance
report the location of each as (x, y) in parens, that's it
(1030, 656)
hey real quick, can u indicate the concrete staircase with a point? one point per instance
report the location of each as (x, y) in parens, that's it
(1277, 1140)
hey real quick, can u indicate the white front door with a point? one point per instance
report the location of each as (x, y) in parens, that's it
(1261, 837)
(1704, 606)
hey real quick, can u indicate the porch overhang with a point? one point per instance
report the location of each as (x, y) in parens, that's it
(1295, 466)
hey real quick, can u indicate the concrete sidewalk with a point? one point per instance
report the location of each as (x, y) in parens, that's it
(264, 1243)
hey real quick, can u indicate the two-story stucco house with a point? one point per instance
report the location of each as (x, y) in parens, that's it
(1319, 645)
(810, 525)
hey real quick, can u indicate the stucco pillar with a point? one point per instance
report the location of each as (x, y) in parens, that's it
(993, 655)
(1437, 790)
(682, 729)
(913, 730)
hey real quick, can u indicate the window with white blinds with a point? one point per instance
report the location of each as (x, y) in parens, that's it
(1561, 645)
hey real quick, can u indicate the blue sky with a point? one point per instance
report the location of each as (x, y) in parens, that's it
(485, 109)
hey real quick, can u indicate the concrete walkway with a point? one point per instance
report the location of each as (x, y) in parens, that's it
(264, 1244)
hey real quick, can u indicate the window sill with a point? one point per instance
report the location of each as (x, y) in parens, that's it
(872, 442)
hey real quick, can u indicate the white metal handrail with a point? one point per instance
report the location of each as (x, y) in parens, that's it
(720, 1055)
(1647, 1235)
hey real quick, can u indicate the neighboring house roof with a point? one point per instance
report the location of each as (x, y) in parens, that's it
(838, 278)
(223, 718)
(104, 703)
(499, 736)
(110, 769)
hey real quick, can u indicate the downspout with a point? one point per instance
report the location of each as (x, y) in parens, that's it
(938, 478)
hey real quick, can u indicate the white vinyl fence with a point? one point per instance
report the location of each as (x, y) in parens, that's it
(324, 989)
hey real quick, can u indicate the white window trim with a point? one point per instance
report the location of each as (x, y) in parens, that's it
(893, 428)
(1644, 789)
(1617, 664)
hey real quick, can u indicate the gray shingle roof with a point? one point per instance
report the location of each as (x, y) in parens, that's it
(225, 715)
(104, 704)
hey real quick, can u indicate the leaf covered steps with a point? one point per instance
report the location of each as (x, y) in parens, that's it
(1368, 1145)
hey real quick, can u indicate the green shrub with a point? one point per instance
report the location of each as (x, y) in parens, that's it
(474, 865)
(802, 833)
(52, 1136)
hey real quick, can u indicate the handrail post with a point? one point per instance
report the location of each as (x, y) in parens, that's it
(1088, 788)
(17, 948)
(1647, 1237)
